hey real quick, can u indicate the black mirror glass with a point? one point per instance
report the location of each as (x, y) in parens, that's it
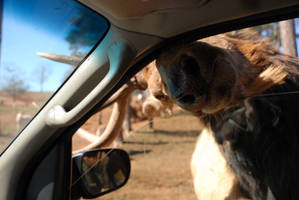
(101, 171)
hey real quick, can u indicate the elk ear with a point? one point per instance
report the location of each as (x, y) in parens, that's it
(261, 112)
(232, 128)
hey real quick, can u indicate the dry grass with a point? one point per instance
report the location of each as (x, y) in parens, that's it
(10, 108)
(160, 161)
(160, 158)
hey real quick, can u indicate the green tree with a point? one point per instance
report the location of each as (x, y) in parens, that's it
(86, 31)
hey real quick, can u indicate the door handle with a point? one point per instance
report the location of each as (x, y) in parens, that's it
(119, 54)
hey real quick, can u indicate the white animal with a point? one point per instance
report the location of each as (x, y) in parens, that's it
(22, 120)
(212, 177)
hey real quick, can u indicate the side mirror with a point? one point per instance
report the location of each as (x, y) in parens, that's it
(98, 172)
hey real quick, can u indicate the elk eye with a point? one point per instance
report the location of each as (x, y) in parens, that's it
(188, 65)
(161, 97)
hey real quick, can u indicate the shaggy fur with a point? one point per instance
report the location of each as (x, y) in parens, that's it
(245, 91)
(212, 178)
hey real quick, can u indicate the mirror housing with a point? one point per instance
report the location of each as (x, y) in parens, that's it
(98, 172)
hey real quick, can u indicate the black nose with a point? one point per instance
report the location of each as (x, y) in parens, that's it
(187, 99)
(188, 65)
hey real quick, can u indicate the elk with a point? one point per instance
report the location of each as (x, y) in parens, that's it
(246, 94)
(157, 103)
(23, 119)
(146, 79)
(233, 70)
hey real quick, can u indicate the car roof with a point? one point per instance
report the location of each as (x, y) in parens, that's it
(167, 18)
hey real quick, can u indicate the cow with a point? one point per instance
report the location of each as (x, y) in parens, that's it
(246, 94)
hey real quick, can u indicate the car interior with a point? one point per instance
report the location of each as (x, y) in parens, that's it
(37, 163)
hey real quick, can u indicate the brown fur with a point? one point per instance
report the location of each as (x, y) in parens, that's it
(246, 67)
(213, 77)
(157, 103)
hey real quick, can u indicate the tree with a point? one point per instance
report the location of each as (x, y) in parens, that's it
(42, 73)
(288, 37)
(85, 32)
(1, 18)
(270, 31)
(14, 86)
(282, 34)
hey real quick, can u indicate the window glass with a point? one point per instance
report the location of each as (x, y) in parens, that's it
(42, 42)
(161, 148)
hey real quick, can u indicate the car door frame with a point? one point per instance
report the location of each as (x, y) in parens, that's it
(63, 134)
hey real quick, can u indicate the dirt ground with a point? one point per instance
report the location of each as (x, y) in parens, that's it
(9, 109)
(160, 161)
(160, 157)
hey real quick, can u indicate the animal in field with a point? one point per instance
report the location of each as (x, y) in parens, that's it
(22, 120)
(246, 94)
(149, 78)
(156, 103)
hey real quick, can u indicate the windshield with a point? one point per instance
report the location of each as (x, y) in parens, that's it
(42, 42)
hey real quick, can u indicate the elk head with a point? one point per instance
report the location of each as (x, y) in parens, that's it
(198, 77)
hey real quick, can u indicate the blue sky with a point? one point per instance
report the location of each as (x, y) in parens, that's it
(26, 30)
(23, 57)
(32, 27)
(37, 26)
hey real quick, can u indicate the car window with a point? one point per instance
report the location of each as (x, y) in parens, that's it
(36, 37)
(161, 148)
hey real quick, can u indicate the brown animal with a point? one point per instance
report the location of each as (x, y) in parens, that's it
(143, 80)
(229, 83)
(157, 103)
